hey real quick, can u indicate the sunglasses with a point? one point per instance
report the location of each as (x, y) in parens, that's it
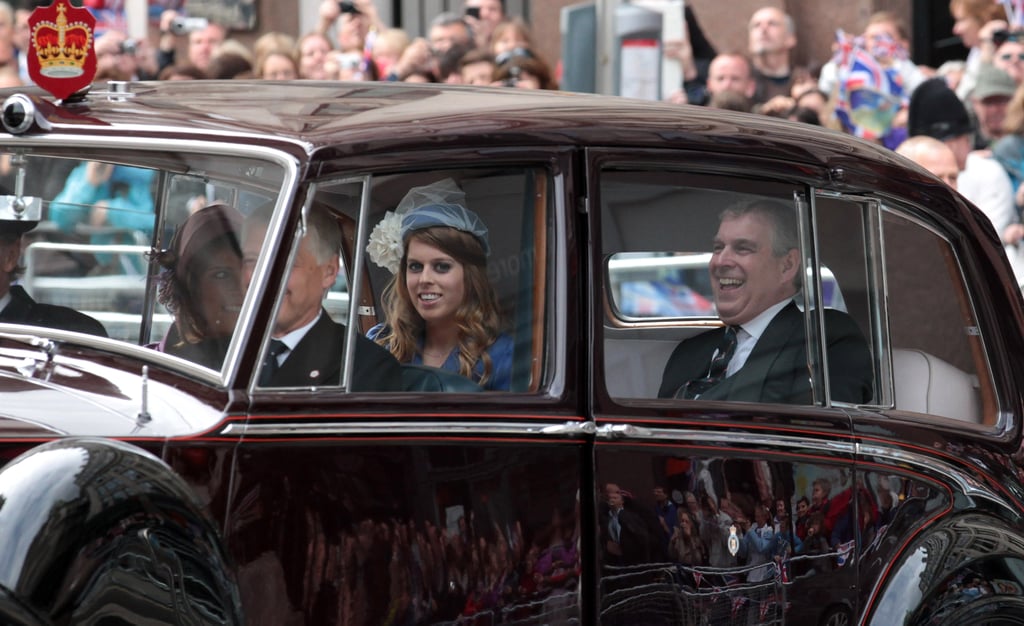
(1010, 57)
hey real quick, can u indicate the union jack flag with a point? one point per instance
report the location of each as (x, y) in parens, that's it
(870, 93)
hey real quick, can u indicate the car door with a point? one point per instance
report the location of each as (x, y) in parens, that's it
(430, 503)
(720, 510)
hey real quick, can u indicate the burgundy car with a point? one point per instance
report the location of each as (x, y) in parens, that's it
(144, 484)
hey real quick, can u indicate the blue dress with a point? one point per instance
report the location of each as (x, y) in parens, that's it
(501, 361)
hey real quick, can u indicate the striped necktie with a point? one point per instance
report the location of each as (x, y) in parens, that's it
(716, 372)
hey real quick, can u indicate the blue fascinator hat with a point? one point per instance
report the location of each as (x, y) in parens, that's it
(440, 204)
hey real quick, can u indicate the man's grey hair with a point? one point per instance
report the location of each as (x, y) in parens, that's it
(322, 230)
(785, 236)
(447, 19)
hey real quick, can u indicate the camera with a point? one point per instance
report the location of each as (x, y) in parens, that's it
(348, 7)
(473, 12)
(185, 25)
(129, 46)
(1000, 37)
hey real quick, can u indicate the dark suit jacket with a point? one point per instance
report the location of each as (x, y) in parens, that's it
(22, 309)
(316, 360)
(634, 537)
(776, 370)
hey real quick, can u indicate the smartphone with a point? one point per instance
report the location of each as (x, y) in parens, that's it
(347, 7)
(473, 12)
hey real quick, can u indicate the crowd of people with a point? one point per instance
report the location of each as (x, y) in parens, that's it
(771, 536)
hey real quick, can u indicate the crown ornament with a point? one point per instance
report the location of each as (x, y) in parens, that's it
(62, 59)
(62, 47)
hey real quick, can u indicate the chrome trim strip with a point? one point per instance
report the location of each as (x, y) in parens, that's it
(616, 432)
(420, 428)
(968, 485)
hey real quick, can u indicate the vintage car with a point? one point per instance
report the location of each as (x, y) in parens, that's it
(144, 484)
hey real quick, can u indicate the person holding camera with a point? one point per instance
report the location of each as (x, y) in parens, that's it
(203, 38)
(483, 16)
(351, 21)
(119, 57)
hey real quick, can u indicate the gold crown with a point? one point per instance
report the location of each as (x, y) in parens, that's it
(61, 48)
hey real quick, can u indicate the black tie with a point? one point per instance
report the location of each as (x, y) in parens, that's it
(270, 366)
(719, 364)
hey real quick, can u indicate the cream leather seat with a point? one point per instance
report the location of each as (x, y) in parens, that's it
(925, 383)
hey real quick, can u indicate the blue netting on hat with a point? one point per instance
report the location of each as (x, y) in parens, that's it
(440, 204)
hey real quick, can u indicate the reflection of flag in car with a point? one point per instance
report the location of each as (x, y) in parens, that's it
(662, 298)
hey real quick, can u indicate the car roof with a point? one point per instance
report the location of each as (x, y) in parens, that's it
(314, 114)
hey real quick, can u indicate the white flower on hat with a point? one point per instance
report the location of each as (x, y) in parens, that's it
(385, 245)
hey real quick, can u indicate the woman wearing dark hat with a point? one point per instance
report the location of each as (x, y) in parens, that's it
(201, 284)
(440, 308)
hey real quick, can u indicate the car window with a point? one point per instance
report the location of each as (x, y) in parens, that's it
(500, 300)
(937, 349)
(669, 243)
(147, 253)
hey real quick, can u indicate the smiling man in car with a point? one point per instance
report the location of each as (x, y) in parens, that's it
(760, 354)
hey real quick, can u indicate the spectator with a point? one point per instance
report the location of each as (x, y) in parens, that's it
(115, 56)
(273, 41)
(989, 99)
(352, 22)
(418, 59)
(313, 49)
(449, 62)
(886, 38)
(758, 544)
(694, 53)
(388, 47)
(771, 38)
(477, 68)
(952, 72)
(1009, 55)
(22, 40)
(521, 69)
(483, 17)
(869, 102)
(975, 22)
(185, 71)
(277, 65)
(99, 196)
(449, 30)
(936, 111)
(817, 101)
(731, 101)
(665, 509)
(714, 532)
(932, 155)
(8, 52)
(731, 72)
(345, 66)
(685, 545)
(625, 539)
(202, 42)
(510, 35)
(230, 60)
